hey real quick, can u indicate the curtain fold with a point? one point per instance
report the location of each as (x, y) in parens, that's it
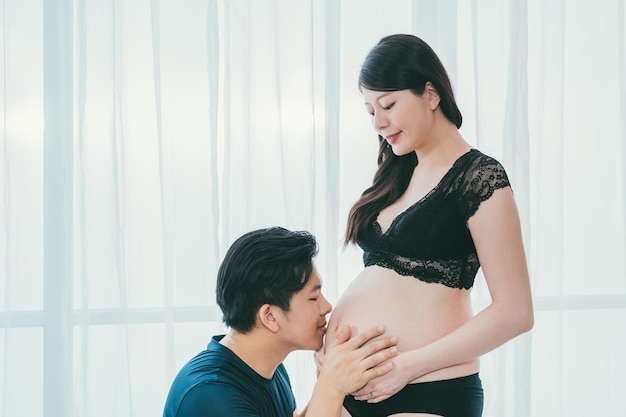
(516, 157)
(621, 62)
(182, 125)
(57, 205)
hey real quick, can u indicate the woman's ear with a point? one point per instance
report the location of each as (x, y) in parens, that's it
(432, 95)
(267, 317)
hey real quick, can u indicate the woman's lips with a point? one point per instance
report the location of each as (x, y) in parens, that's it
(392, 138)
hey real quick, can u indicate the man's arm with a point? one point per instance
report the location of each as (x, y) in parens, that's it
(349, 365)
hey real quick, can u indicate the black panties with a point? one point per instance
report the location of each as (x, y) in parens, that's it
(458, 397)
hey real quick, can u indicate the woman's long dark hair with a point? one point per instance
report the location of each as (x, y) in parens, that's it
(397, 62)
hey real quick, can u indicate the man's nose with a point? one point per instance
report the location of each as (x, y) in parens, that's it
(326, 307)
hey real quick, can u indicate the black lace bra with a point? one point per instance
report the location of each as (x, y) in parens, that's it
(430, 240)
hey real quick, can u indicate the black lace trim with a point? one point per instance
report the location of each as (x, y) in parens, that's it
(486, 178)
(452, 273)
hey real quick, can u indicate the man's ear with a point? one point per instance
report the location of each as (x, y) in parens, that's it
(267, 317)
(432, 95)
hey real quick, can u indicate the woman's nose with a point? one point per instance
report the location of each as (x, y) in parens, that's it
(380, 121)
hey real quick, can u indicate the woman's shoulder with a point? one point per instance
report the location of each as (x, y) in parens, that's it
(478, 176)
(476, 166)
(476, 158)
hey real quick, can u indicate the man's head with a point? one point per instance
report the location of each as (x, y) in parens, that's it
(266, 266)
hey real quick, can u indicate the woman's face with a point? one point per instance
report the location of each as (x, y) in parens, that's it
(404, 119)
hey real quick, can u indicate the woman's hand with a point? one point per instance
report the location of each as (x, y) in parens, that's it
(385, 386)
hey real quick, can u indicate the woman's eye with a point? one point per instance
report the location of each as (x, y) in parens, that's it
(389, 106)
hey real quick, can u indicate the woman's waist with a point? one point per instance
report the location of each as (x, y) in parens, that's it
(455, 371)
(414, 326)
(417, 313)
(383, 293)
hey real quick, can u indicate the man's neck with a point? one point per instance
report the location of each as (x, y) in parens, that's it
(256, 350)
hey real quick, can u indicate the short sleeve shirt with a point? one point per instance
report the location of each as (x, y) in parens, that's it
(217, 383)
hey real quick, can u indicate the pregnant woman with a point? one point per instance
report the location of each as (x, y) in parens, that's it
(437, 210)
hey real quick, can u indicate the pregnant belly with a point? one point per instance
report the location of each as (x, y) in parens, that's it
(418, 313)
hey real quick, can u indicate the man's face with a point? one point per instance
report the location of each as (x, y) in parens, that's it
(304, 325)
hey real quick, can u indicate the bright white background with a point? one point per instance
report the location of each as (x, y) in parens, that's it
(139, 138)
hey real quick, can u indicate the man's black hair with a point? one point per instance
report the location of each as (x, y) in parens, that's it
(266, 266)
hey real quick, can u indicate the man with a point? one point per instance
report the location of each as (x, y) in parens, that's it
(269, 291)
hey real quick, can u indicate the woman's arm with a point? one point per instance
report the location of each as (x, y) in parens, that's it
(496, 232)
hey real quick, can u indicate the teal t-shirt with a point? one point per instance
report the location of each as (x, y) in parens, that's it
(216, 383)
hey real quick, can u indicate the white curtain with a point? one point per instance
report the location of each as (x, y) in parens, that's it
(139, 138)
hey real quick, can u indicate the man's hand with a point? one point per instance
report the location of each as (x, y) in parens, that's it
(349, 364)
(346, 366)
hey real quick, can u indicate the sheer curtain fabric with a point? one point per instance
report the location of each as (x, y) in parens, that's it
(139, 139)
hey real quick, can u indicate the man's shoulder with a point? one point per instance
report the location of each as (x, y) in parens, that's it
(209, 373)
(228, 392)
(216, 382)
